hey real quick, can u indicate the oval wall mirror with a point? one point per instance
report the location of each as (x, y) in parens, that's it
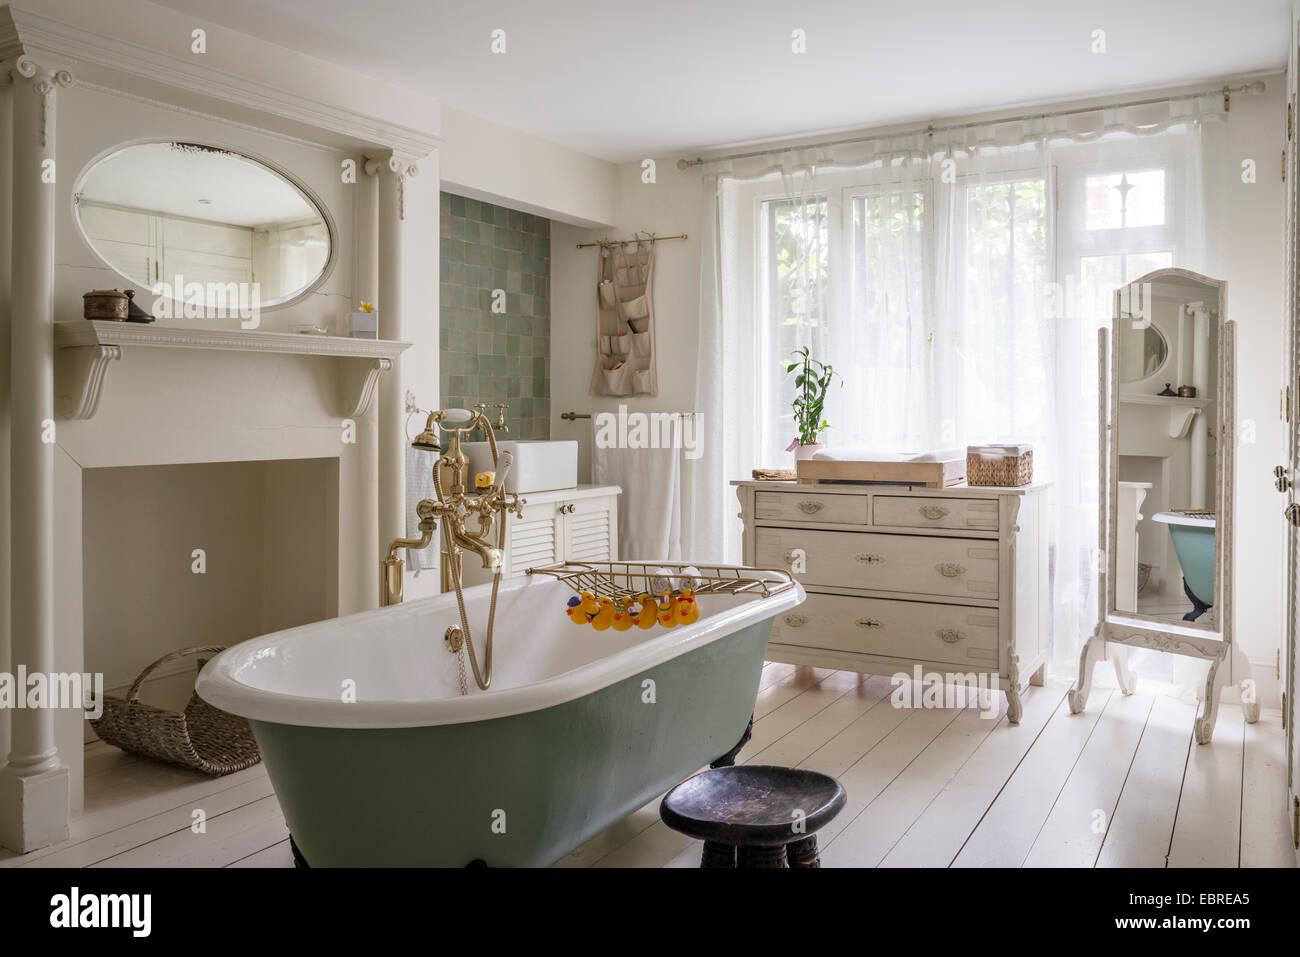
(200, 224)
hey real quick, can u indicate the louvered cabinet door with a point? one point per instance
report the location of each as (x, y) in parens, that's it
(589, 530)
(533, 539)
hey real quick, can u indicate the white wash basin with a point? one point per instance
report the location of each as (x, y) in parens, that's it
(539, 465)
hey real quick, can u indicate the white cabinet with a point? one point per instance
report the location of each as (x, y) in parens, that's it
(951, 580)
(577, 524)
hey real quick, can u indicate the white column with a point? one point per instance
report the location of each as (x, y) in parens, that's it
(6, 189)
(392, 171)
(34, 782)
(1201, 497)
(366, 289)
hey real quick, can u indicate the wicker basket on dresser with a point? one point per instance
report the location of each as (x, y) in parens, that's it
(951, 579)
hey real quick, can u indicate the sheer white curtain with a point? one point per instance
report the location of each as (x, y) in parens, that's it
(956, 283)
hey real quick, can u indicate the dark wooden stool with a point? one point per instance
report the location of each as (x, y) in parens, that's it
(754, 815)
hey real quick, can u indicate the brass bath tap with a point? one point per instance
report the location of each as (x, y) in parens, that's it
(459, 500)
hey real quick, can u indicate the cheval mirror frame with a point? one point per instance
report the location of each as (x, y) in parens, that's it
(1211, 642)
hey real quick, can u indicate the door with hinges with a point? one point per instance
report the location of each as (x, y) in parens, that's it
(1288, 473)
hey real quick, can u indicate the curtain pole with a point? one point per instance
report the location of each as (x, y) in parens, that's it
(1245, 89)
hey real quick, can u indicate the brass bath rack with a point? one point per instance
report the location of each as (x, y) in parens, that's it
(627, 580)
(631, 242)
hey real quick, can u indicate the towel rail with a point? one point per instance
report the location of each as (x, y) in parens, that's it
(571, 416)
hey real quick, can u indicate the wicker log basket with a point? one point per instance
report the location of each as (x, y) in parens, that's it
(201, 737)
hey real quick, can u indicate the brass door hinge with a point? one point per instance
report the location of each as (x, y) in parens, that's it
(1295, 822)
(1292, 513)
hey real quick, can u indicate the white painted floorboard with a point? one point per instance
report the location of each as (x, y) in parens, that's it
(1121, 785)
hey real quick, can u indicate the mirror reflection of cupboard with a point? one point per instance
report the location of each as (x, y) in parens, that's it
(1167, 454)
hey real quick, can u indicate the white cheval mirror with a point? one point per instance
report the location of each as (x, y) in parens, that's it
(1167, 449)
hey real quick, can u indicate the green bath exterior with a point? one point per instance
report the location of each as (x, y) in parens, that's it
(1195, 547)
(518, 791)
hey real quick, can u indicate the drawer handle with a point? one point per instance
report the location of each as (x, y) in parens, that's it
(932, 512)
(870, 624)
(792, 557)
(796, 621)
(869, 559)
(950, 569)
(810, 508)
(950, 635)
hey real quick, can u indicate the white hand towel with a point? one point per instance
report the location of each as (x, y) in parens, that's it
(650, 509)
(419, 486)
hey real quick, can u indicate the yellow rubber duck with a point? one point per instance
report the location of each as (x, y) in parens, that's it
(588, 604)
(623, 619)
(667, 611)
(688, 609)
(484, 479)
(574, 611)
(647, 612)
(604, 615)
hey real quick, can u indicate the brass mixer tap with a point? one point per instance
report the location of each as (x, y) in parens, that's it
(459, 501)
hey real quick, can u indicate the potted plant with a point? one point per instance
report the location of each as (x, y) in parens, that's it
(811, 380)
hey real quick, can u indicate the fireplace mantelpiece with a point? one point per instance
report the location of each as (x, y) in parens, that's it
(74, 91)
(86, 349)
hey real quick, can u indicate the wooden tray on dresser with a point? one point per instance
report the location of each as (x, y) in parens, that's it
(929, 474)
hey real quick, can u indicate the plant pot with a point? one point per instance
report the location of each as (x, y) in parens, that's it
(807, 451)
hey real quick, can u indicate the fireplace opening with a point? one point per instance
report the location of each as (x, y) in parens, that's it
(201, 554)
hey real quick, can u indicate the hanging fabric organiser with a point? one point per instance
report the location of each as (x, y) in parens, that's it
(625, 343)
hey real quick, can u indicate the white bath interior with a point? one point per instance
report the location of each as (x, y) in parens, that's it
(404, 676)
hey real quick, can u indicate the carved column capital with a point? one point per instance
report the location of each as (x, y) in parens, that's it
(45, 80)
(391, 163)
(46, 77)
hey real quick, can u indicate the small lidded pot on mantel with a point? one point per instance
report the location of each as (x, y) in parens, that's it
(106, 304)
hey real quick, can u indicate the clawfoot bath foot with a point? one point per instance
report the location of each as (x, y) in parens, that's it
(729, 759)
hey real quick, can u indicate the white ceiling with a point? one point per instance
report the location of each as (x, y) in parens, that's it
(626, 79)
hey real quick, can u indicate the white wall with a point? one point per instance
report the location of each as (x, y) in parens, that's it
(1246, 220)
(670, 205)
(1247, 227)
(483, 160)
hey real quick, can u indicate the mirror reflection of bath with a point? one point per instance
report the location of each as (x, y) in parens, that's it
(1165, 491)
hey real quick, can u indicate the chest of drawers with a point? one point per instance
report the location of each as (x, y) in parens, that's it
(953, 580)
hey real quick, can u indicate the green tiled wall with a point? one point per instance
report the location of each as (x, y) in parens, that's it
(493, 357)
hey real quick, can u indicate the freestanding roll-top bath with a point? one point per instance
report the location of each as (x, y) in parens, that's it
(378, 759)
(1193, 538)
